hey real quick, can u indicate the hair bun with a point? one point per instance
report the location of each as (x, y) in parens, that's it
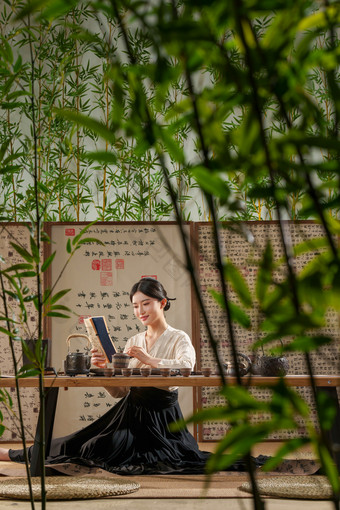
(152, 288)
(167, 306)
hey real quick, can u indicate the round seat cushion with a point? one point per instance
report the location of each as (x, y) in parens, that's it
(67, 487)
(294, 487)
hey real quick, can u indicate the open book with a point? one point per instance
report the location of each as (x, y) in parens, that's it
(100, 339)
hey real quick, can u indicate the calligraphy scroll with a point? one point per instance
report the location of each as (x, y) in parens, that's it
(19, 234)
(245, 255)
(100, 277)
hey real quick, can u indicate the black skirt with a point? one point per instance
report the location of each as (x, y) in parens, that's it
(132, 438)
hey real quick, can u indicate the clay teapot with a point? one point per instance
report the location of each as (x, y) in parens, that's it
(272, 366)
(244, 365)
(77, 362)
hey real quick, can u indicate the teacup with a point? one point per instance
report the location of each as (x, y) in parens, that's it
(185, 371)
(145, 371)
(126, 372)
(206, 371)
(165, 372)
(108, 372)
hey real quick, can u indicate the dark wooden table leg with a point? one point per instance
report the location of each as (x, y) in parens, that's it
(334, 432)
(50, 408)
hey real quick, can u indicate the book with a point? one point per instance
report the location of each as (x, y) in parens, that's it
(100, 339)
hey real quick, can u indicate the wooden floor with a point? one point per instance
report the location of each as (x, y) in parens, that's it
(185, 504)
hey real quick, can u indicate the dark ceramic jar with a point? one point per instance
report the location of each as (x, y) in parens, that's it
(272, 366)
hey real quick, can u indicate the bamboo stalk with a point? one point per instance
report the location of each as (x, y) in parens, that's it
(17, 389)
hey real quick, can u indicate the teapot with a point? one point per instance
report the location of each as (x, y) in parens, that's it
(244, 365)
(77, 362)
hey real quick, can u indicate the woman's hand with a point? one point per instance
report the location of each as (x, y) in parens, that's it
(142, 356)
(98, 359)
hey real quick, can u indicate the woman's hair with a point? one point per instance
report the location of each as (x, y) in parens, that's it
(152, 288)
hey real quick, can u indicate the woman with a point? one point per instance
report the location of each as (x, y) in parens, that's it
(134, 436)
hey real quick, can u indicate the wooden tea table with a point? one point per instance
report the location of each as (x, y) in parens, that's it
(325, 383)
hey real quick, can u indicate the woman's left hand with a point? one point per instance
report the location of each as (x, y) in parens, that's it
(142, 355)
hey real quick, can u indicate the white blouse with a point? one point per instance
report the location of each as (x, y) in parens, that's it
(173, 347)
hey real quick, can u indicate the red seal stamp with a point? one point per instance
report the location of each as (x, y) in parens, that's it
(96, 265)
(82, 317)
(106, 279)
(106, 265)
(119, 263)
(70, 232)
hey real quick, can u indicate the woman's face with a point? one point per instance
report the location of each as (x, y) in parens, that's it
(147, 309)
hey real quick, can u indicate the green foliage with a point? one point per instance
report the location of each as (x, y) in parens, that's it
(219, 110)
(7, 402)
(82, 73)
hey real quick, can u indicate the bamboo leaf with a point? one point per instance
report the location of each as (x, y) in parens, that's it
(213, 413)
(211, 183)
(68, 246)
(19, 267)
(238, 282)
(239, 441)
(5, 105)
(264, 274)
(48, 9)
(102, 156)
(237, 314)
(7, 319)
(288, 447)
(17, 66)
(7, 169)
(172, 146)
(301, 140)
(6, 332)
(27, 274)
(42, 187)
(4, 148)
(87, 122)
(27, 351)
(307, 343)
(28, 299)
(91, 240)
(58, 295)
(311, 245)
(57, 314)
(60, 307)
(48, 262)
(27, 371)
(326, 410)
(23, 252)
(320, 18)
(6, 50)
(82, 232)
(329, 467)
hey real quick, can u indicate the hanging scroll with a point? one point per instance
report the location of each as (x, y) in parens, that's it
(18, 234)
(100, 278)
(244, 255)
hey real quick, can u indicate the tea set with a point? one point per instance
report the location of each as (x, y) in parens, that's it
(79, 363)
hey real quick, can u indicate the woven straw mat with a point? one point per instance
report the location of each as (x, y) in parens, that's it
(295, 487)
(66, 487)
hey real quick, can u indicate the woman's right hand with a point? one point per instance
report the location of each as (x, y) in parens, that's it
(98, 359)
